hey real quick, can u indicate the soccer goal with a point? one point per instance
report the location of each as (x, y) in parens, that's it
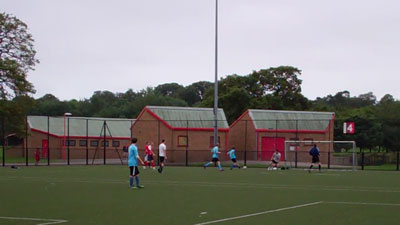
(333, 154)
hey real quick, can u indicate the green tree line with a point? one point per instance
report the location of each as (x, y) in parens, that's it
(377, 121)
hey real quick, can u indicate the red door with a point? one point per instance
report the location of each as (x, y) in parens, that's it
(45, 145)
(269, 145)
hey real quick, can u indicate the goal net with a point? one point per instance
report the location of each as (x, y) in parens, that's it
(333, 154)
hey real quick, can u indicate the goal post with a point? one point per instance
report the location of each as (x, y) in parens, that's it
(333, 154)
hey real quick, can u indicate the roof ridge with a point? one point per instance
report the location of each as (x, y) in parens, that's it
(81, 117)
(289, 111)
(181, 107)
(173, 116)
(79, 127)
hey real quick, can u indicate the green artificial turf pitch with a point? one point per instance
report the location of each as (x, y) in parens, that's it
(100, 195)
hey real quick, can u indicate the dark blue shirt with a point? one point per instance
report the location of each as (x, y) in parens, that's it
(314, 151)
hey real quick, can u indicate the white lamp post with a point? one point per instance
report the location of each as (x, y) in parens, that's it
(64, 144)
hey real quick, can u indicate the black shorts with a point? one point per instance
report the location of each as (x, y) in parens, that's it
(149, 157)
(133, 170)
(214, 160)
(275, 162)
(315, 159)
(234, 160)
(162, 158)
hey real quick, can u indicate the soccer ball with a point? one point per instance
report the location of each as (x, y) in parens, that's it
(274, 168)
(244, 167)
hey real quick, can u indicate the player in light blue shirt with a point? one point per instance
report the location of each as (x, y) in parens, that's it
(133, 159)
(232, 156)
(214, 159)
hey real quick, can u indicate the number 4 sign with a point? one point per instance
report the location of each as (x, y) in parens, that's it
(348, 128)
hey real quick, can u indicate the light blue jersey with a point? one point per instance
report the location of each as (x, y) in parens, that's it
(231, 154)
(214, 152)
(133, 154)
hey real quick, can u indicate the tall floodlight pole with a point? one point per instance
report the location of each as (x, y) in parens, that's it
(216, 77)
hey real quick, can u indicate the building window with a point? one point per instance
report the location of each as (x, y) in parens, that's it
(182, 141)
(72, 142)
(102, 143)
(308, 141)
(69, 142)
(94, 143)
(115, 143)
(82, 142)
(212, 141)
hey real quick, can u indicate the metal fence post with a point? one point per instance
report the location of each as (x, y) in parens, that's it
(172, 144)
(87, 141)
(3, 129)
(297, 146)
(159, 142)
(187, 142)
(104, 142)
(329, 158)
(131, 132)
(398, 161)
(67, 142)
(245, 143)
(48, 140)
(26, 138)
(362, 160)
(329, 145)
(354, 156)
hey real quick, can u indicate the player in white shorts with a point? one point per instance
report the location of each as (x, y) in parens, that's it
(276, 157)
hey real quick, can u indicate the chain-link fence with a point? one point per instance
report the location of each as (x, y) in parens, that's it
(87, 141)
(66, 141)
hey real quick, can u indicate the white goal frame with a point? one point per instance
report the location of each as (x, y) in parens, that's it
(325, 142)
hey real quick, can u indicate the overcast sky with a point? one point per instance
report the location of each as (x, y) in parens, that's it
(87, 45)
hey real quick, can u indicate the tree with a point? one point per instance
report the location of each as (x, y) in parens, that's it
(189, 95)
(195, 93)
(17, 57)
(169, 89)
(12, 114)
(342, 101)
(387, 99)
(273, 88)
(388, 113)
(201, 88)
(49, 105)
(230, 102)
(281, 81)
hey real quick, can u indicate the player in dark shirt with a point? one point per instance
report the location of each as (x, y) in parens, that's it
(314, 152)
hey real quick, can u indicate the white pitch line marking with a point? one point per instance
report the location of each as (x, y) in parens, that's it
(327, 174)
(50, 221)
(259, 213)
(221, 184)
(364, 203)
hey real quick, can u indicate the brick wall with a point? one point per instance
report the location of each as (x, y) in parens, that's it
(148, 128)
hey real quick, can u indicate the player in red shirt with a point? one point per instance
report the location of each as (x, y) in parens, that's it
(37, 156)
(149, 155)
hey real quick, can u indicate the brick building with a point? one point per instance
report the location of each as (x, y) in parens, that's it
(188, 132)
(260, 132)
(81, 135)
